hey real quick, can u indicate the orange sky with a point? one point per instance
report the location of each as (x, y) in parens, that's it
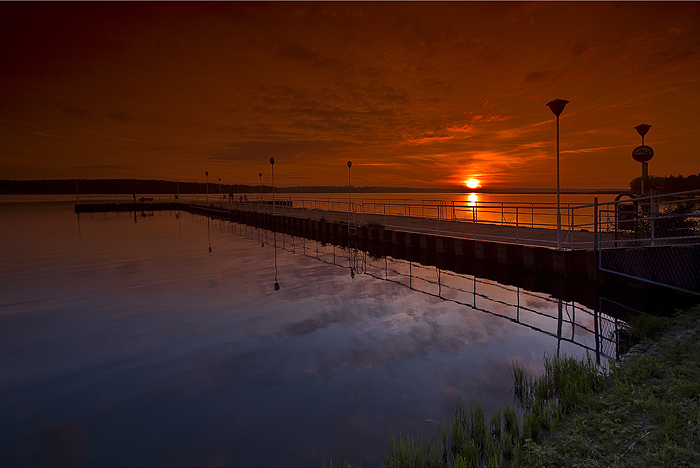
(415, 94)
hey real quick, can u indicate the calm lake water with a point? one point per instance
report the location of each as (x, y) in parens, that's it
(161, 339)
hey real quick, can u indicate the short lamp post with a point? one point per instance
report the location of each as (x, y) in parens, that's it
(557, 107)
(349, 182)
(272, 164)
(643, 154)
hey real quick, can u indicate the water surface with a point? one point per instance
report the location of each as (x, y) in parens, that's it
(161, 339)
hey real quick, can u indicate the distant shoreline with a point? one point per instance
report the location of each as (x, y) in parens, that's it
(129, 186)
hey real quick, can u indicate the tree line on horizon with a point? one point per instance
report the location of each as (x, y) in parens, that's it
(140, 186)
(666, 184)
(659, 184)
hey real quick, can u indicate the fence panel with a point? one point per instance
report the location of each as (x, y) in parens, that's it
(653, 239)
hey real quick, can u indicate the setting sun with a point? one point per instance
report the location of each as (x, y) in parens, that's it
(472, 183)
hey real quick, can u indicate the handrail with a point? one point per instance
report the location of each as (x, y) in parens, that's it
(582, 223)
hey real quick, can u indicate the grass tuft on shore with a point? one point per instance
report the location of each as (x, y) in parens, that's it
(645, 411)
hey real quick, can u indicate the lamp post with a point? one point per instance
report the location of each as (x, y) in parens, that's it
(349, 182)
(643, 154)
(272, 164)
(206, 173)
(557, 107)
(349, 190)
(260, 175)
(219, 187)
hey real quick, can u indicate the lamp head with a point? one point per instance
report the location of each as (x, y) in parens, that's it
(272, 161)
(557, 106)
(642, 129)
(349, 164)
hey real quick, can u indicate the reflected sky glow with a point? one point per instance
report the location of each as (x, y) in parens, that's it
(124, 340)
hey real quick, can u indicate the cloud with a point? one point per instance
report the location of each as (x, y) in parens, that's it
(81, 114)
(298, 53)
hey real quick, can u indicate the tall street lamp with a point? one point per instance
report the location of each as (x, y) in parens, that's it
(219, 186)
(206, 173)
(272, 164)
(260, 175)
(643, 154)
(557, 107)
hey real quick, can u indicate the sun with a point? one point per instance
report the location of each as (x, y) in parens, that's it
(472, 183)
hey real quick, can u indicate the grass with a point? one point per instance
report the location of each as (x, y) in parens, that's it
(643, 412)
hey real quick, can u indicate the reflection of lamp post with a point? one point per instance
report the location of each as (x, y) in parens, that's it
(557, 107)
(206, 173)
(272, 163)
(643, 154)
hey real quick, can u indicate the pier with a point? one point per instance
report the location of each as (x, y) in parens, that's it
(595, 243)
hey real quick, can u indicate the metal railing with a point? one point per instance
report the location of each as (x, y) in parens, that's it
(508, 222)
(653, 239)
(670, 219)
(122, 198)
(649, 221)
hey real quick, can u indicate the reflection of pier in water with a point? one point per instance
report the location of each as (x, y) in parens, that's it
(563, 320)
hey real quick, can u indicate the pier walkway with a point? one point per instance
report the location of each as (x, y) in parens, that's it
(654, 240)
(466, 229)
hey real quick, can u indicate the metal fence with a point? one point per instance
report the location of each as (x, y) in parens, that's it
(654, 239)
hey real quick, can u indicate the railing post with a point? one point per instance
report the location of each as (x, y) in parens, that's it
(595, 223)
(571, 229)
(409, 216)
(653, 224)
(437, 230)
